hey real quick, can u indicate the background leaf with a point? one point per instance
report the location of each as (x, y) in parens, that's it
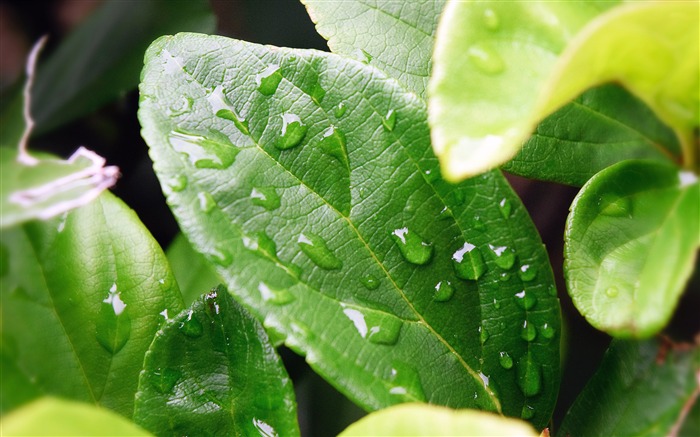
(630, 244)
(58, 417)
(81, 301)
(640, 389)
(403, 51)
(335, 228)
(212, 370)
(194, 274)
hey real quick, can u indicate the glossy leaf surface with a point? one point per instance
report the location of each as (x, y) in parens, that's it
(406, 42)
(348, 243)
(212, 370)
(630, 244)
(81, 301)
(59, 417)
(640, 389)
(430, 420)
(194, 274)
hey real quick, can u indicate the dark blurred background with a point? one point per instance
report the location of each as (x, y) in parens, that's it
(113, 131)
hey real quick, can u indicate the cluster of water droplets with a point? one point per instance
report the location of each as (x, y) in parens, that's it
(483, 54)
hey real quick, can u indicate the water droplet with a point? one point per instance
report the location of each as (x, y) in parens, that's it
(164, 379)
(505, 207)
(547, 331)
(293, 131)
(468, 262)
(221, 256)
(183, 106)
(389, 121)
(204, 152)
(526, 299)
(491, 19)
(528, 332)
(504, 277)
(370, 282)
(552, 290)
(503, 256)
(477, 223)
(443, 291)
(483, 334)
(612, 291)
(446, 213)
(376, 326)
(316, 249)
(266, 197)
(191, 326)
(178, 183)
(264, 429)
(340, 110)
(613, 205)
(362, 56)
(486, 59)
(206, 202)
(406, 382)
(334, 144)
(484, 379)
(113, 326)
(240, 122)
(496, 303)
(527, 272)
(268, 80)
(317, 93)
(4, 261)
(527, 412)
(273, 295)
(412, 246)
(505, 360)
(529, 376)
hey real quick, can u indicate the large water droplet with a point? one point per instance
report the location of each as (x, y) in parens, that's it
(505, 207)
(221, 255)
(503, 256)
(178, 183)
(340, 110)
(529, 376)
(478, 223)
(405, 383)
(527, 272)
(238, 121)
(547, 331)
(204, 152)
(164, 379)
(445, 213)
(370, 282)
(389, 121)
(264, 429)
(496, 303)
(268, 80)
(468, 262)
(412, 246)
(613, 205)
(612, 291)
(266, 197)
(376, 326)
(491, 20)
(293, 131)
(273, 295)
(526, 299)
(443, 291)
(334, 144)
(528, 331)
(191, 326)
(505, 360)
(206, 202)
(113, 326)
(183, 106)
(316, 249)
(317, 93)
(483, 334)
(486, 59)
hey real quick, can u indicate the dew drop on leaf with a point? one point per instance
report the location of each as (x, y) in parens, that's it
(443, 291)
(334, 144)
(268, 80)
(505, 360)
(113, 325)
(191, 326)
(405, 382)
(527, 272)
(529, 376)
(340, 110)
(178, 183)
(547, 331)
(486, 59)
(266, 197)
(240, 122)
(221, 256)
(496, 303)
(164, 379)
(412, 247)
(528, 331)
(612, 291)
(264, 429)
(203, 152)
(376, 326)
(389, 121)
(468, 263)
(273, 295)
(317, 93)
(293, 131)
(527, 412)
(370, 282)
(206, 202)
(491, 20)
(505, 207)
(316, 249)
(477, 223)
(445, 213)
(614, 206)
(552, 291)
(503, 256)
(483, 334)
(526, 299)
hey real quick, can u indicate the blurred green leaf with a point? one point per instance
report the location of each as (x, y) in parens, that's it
(640, 389)
(81, 301)
(211, 370)
(58, 417)
(630, 244)
(195, 275)
(335, 228)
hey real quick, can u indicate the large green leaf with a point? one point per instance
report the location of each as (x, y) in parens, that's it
(640, 389)
(403, 51)
(81, 297)
(630, 244)
(430, 420)
(500, 68)
(195, 275)
(102, 58)
(334, 227)
(211, 370)
(58, 417)
(601, 127)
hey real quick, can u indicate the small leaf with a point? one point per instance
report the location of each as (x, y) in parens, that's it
(212, 370)
(431, 420)
(630, 244)
(640, 389)
(81, 301)
(195, 274)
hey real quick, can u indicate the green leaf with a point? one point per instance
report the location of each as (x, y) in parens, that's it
(102, 58)
(352, 259)
(403, 51)
(640, 389)
(194, 274)
(51, 187)
(500, 68)
(430, 420)
(630, 244)
(81, 301)
(59, 417)
(603, 126)
(211, 370)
